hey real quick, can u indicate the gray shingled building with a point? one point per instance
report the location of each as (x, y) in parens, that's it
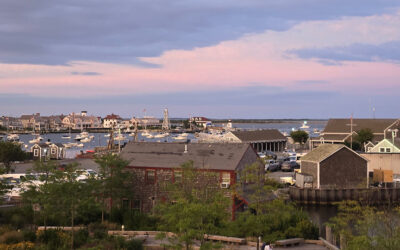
(335, 166)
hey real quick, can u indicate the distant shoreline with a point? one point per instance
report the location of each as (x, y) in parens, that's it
(314, 121)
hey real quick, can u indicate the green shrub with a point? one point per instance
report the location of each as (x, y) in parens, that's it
(134, 245)
(54, 239)
(98, 230)
(80, 237)
(11, 237)
(29, 235)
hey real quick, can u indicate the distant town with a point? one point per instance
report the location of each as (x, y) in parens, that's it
(307, 162)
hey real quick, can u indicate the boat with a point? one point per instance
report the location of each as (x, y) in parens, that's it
(120, 137)
(145, 133)
(184, 134)
(33, 141)
(150, 136)
(107, 135)
(86, 140)
(66, 137)
(80, 145)
(180, 137)
(132, 134)
(12, 137)
(304, 126)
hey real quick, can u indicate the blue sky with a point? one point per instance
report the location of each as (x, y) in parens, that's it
(221, 59)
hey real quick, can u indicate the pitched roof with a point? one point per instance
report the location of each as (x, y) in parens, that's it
(259, 135)
(342, 125)
(171, 155)
(112, 117)
(331, 137)
(324, 151)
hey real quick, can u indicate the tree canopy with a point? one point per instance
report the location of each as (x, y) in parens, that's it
(10, 152)
(299, 136)
(195, 206)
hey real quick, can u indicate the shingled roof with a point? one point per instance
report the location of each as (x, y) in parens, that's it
(259, 135)
(216, 156)
(342, 125)
(324, 151)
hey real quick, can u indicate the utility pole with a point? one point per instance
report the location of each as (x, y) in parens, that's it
(351, 130)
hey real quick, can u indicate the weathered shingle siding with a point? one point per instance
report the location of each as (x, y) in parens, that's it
(344, 169)
(310, 168)
(248, 158)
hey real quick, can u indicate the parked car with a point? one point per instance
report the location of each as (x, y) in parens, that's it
(272, 166)
(289, 166)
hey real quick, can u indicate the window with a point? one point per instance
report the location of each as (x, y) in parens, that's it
(36, 152)
(136, 205)
(167, 175)
(150, 176)
(382, 150)
(177, 176)
(226, 177)
(53, 151)
(125, 204)
(387, 150)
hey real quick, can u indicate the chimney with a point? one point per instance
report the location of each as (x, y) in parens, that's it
(186, 148)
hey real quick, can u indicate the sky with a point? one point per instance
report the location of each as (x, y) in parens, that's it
(313, 59)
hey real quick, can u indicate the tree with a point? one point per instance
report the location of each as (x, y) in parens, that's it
(58, 193)
(364, 227)
(115, 183)
(10, 152)
(195, 206)
(363, 136)
(299, 136)
(268, 216)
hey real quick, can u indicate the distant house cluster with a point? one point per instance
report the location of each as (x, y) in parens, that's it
(75, 121)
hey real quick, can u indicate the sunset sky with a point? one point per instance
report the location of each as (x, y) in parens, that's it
(213, 58)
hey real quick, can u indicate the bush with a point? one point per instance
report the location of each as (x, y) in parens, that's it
(134, 245)
(11, 237)
(54, 239)
(98, 230)
(29, 236)
(80, 237)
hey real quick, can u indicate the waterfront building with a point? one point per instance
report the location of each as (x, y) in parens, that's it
(146, 121)
(334, 166)
(111, 121)
(157, 163)
(81, 121)
(200, 121)
(262, 140)
(338, 131)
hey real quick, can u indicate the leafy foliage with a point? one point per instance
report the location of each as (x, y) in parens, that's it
(114, 183)
(299, 136)
(271, 218)
(364, 227)
(195, 206)
(10, 152)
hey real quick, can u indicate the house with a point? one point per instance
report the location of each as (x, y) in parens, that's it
(81, 121)
(335, 166)
(111, 121)
(338, 131)
(44, 151)
(146, 121)
(155, 163)
(200, 121)
(385, 146)
(261, 140)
